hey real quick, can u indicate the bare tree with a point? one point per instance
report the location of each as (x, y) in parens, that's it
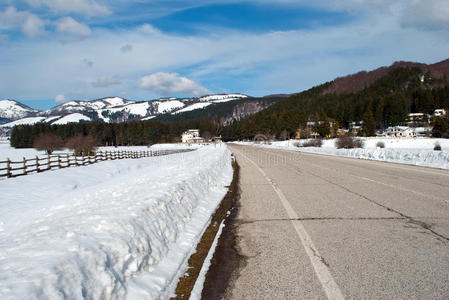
(82, 144)
(48, 142)
(206, 135)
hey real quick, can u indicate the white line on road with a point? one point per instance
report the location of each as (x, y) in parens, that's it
(322, 271)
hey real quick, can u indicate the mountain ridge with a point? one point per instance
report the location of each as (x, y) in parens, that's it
(109, 109)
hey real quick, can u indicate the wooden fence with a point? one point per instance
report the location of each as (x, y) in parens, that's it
(38, 164)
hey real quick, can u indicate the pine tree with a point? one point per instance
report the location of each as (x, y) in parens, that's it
(369, 125)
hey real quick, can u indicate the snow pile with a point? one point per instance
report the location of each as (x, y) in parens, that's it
(419, 157)
(417, 151)
(111, 230)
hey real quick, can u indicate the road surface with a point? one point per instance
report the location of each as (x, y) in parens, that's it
(321, 227)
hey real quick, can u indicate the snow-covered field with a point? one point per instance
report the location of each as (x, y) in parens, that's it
(17, 154)
(112, 230)
(417, 151)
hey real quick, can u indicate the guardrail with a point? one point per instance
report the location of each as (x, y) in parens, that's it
(10, 169)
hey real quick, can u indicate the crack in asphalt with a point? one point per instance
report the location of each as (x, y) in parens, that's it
(410, 219)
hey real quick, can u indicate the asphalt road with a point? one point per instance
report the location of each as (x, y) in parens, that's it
(317, 227)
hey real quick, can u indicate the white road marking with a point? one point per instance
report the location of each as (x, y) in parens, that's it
(322, 271)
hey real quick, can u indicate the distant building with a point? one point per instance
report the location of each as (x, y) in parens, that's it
(191, 136)
(418, 119)
(400, 131)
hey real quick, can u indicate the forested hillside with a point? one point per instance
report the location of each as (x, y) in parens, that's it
(224, 112)
(388, 100)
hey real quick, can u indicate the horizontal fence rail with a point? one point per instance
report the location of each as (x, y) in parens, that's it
(10, 169)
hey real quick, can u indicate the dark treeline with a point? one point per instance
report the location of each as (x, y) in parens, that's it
(112, 134)
(389, 100)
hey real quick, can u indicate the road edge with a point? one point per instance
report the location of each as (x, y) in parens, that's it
(226, 212)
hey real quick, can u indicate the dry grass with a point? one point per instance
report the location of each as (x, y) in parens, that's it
(187, 282)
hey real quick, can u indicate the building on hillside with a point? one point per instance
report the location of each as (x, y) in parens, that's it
(439, 112)
(400, 131)
(418, 119)
(191, 136)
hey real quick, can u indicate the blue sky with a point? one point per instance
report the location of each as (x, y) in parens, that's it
(53, 51)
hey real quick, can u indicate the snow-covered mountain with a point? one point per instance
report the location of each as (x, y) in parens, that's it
(112, 109)
(12, 110)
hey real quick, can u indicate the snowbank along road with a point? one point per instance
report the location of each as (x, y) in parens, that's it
(317, 227)
(114, 230)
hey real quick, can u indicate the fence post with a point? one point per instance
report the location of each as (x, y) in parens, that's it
(24, 166)
(8, 167)
(37, 165)
(68, 160)
(59, 161)
(48, 162)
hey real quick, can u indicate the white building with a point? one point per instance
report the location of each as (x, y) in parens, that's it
(191, 136)
(400, 131)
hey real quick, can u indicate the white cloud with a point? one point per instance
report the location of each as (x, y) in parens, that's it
(168, 84)
(430, 14)
(70, 26)
(85, 7)
(60, 98)
(30, 23)
(106, 81)
(33, 26)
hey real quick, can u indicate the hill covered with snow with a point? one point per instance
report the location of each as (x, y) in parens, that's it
(111, 109)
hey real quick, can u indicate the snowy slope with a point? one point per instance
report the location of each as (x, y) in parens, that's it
(194, 106)
(72, 118)
(222, 98)
(111, 230)
(24, 121)
(13, 110)
(168, 106)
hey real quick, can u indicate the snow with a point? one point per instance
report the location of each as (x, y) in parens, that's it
(52, 118)
(413, 151)
(168, 106)
(72, 118)
(193, 107)
(112, 230)
(148, 118)
(17, 154)
(115, 101)
(140, 109)
(222, 98)
(11, 109)
(24, 121)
